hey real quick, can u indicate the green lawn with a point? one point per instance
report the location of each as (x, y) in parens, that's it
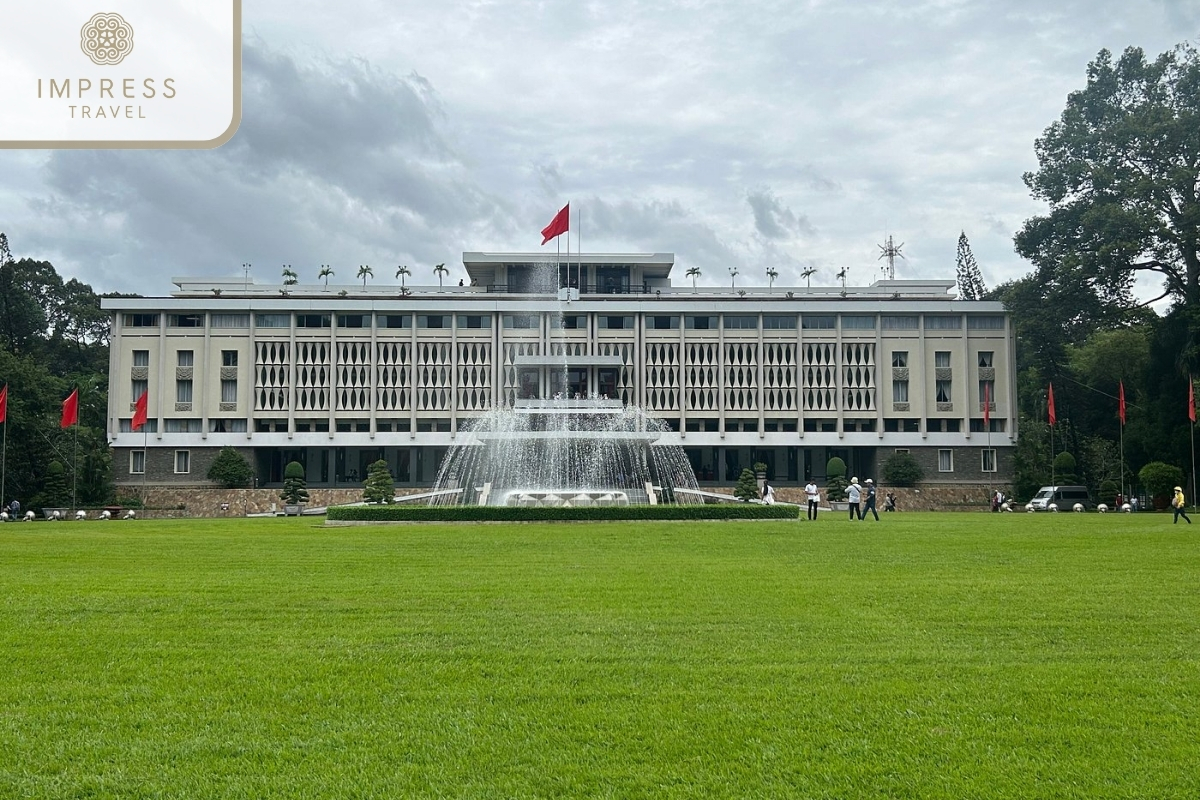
(930, 655)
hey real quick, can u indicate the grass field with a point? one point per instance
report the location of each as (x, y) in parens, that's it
(930, 655)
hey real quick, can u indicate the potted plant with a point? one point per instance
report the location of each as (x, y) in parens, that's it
(295, 490)
(836, 483)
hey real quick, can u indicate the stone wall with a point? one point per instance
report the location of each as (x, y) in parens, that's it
(213, 502)
(948, 497)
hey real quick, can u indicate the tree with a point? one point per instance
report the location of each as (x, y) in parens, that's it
(1120, 170)
(835, 479)
(807, 275)
(290, 278)
(401, 272)
(295, 490)
(970, 281)
(1064, 469)
(379, 486)
(902, 469)
(325, 272)
(364, 272)
(55, 492)
(230, 469)
(441, 270)
(772, 274)
(747, 486)
(1159, 480)
(693, 273)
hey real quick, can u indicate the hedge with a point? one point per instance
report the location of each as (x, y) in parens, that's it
(406, 513)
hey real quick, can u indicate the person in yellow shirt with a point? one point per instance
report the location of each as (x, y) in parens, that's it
(1177, 503)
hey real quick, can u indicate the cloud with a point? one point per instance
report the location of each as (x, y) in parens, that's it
(774, 220)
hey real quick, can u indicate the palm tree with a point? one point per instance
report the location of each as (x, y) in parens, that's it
(290, 278)
(772, 274)
(733, 273)
(441, 270)
(807, 275)
(325, 272)
(401, 271)
(364, 272)
(693, 273)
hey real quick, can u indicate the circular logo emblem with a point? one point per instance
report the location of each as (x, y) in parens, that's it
(106, 38)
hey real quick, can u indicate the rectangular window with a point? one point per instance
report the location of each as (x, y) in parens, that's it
(433, 321)
(899, 391)
(985, 358)
(899, 359)
(183, 462)
(140, 320)
(186, 358)
(182, 426)
(229, 391)
(744, 323)
(520, 322)
(938, 322)
(985, 323)
(229, 425)
(942, 389)
(273, 320)
(313, 320)
(779, 322)
(570, 322)
(614, 323)
(183, 391)
(858, 322)
(395, 320)
(229, 358)
(229, 320)
(141, 358)
(354, 320)
(125, 425)
(475, 321)
(700, 323)
(137, 389)
(987, 391)
(185, 320)
(941, 359)
(898, 323)
(989, 460)
(945, 461)
(810, 322)
(657, 323)
(137, 462)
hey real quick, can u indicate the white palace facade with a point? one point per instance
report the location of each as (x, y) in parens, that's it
(337, 377)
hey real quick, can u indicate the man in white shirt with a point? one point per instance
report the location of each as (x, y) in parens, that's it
(854, 495)
(814, 498)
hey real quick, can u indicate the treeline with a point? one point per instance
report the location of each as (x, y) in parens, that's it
(53, 340)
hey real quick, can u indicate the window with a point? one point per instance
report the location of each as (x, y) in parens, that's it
(746, 323)
(125, 425)
(779, 322)
(858, 322)
(942, 390)
(814, 323)
(395, 320)
(943, 323)
(657, 323)
(700, 323)
(140, 320)
(433, 321)
(183, 391)
(985, 358)
(475, 321)
(137, 462)
(354, 320)
(229, 426)
(229, 320)
(614, 323)
(182, 426)
(899, 391)
(945, 461)
(989, 460)
(570, 322)
(987, 392)
(941, 359)
(228, 391)
(141, 358)
(985, 323)
(138, 388)
(272, 320)
(899, 359)
(183, 462)
(229, 358)
(898, 323)
(520, 322)
(313, 320)
(185, 320)
(185, 358)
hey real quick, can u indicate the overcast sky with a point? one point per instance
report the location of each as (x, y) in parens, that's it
(733, 134)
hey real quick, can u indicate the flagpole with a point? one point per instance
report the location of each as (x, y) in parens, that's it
(4, 465)
(1192, 430)
(75, 467)
(145, 459)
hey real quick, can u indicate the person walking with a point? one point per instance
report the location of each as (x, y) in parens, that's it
(869, 505)
(1178, 502)
(814, 497)
(854, 495)
(768, 494)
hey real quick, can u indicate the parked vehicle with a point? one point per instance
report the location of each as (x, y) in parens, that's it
(1065, 497)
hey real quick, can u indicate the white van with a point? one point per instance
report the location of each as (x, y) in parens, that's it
(1065, 497)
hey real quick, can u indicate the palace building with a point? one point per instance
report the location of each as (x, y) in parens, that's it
(338, 377)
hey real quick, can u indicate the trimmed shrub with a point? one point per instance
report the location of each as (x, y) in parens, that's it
(836, 483)
(379, 486)
(409, 513)
(1064, 469)
(230, 469)
(55, 493)
(901, 469)
(295, 490)
(747, 487)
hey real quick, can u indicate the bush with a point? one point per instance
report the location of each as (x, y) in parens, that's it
(1108, 491)
(902, 469)
(55, 493)
(379, 486)
(230, 469)
(295, 490)
(411, 513)
(836, 483)
(1160, 480)
(747, 487)
(1064, 469)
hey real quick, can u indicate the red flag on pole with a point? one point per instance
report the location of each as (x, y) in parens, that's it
(1050, 407)
(559, 225)
(139, 411)
(70, 414)
(1121, 401)
(987, 405)
(4, 404)
(1191, 400)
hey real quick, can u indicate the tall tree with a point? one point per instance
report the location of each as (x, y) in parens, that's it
(970, 280)
(1121, 172)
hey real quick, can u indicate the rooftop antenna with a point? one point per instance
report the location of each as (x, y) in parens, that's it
(890, 251)
(842, 275)
(246, 273)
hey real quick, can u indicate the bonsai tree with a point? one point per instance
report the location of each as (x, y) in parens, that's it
(836, 483)
(379, 486)
(230, 469)
(55, 493)
(747, 487)
(295, 490)
(1160, 480)
(1108, 490)
(901, 469)
(1064, 469)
